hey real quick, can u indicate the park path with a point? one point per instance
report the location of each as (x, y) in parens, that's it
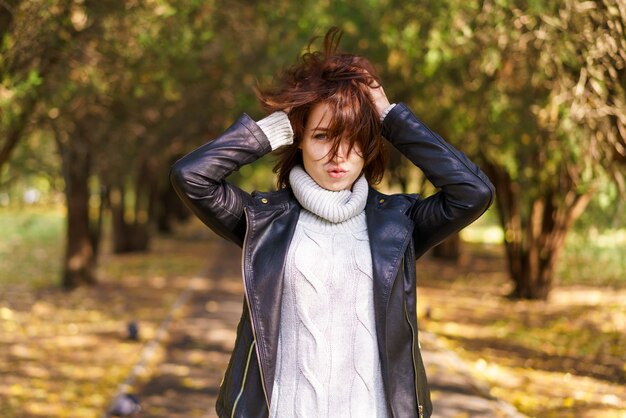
(185, 380)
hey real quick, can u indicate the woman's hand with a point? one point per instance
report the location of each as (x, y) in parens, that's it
(379, 98)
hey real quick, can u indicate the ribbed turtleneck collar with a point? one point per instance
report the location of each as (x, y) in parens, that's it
(333, 206)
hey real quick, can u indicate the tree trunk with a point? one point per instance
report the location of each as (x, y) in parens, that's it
(450, 249)
(121, 234)
(79, 264)
(96, 231)
(165, 205)
(531, 281)
(143, 193)
(534, 239)
(130, 235)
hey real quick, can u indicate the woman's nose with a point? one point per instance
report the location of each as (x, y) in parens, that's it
(342, 151)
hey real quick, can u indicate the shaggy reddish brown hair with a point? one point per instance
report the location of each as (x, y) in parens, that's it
(342, 81)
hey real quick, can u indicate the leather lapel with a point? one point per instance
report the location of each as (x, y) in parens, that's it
(389, 232)
(269, 232)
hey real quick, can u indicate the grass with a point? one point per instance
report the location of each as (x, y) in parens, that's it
(32, 245)
(584, 252)
(594, 258)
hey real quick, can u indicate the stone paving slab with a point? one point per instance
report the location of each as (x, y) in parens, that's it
(186, 380)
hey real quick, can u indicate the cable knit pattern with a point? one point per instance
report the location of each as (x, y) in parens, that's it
(327, 361)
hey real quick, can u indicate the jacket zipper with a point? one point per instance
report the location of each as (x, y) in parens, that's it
(245, 287)
(420, 408)
(243, 382)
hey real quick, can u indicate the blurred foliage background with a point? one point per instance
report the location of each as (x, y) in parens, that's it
(99, 97)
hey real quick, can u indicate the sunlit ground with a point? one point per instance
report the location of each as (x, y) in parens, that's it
(561, 358)
(64, 354)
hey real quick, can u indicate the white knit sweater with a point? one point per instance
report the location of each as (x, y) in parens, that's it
(327, 362)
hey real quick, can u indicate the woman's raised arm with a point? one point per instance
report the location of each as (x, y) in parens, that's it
(199, 177)
(466, 192)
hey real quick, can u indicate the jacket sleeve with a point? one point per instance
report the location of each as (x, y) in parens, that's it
(465, 191)
(199, 177)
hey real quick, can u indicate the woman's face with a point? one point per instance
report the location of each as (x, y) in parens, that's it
(338, 173)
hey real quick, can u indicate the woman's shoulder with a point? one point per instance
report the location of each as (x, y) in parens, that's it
(392, 200)
(272, 197)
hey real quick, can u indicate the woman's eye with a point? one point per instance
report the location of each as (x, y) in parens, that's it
(320, 136)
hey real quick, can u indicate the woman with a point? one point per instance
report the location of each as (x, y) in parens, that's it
(329, 320)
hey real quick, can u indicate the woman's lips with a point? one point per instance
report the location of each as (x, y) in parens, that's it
(336, 173)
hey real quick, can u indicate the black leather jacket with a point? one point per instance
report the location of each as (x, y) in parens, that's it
(401, 228)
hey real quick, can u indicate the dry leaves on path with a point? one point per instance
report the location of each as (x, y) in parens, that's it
(559, 358)
(64, 354)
